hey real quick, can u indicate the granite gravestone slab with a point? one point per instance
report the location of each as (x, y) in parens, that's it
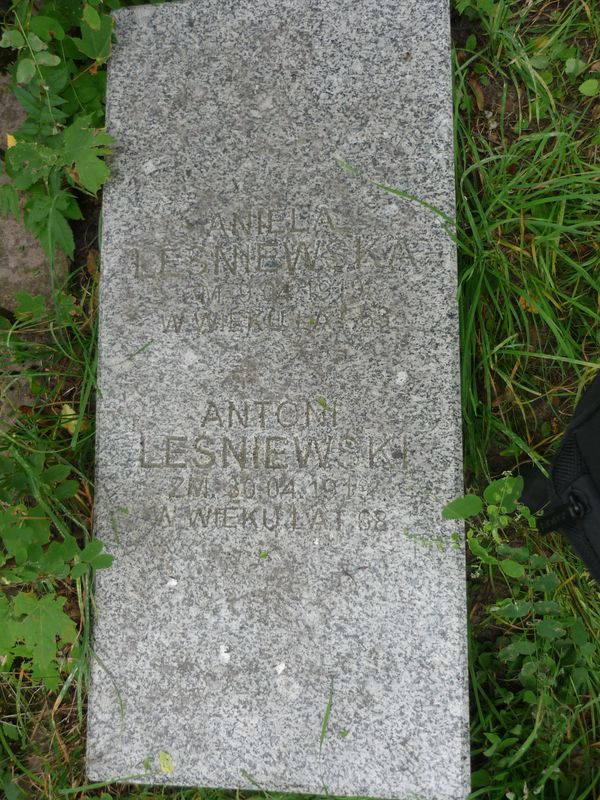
(279, 416)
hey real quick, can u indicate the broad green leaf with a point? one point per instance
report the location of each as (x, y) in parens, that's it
(36, 44)
(42, 627)
(578, 633)
(48, 60)
(550, 629)
(574, 66)
(546, 607)
(55, 568)
(17, 539)
(498, 743)
(590, 88)
(545, 583)
(12, 38)
(39, 524)
(91, 17)
(481, 552)
(58, 554)
(504, 492)
(45, 216)
(46, 28)
(512, 609)
(82, 147)
(36, 462)
(487, 6)
(31, 307)
(69, 545)
(91, 550)
(520, 554)
(79, 569)
(66, 490)
(96, 44)
(35, 553)
(11, 731)
(103, 561)
(29, 162)
(539, 62)
(538, 561)
(463, 507)
(89, 90)
(529, 672)
(512, 568)
(56, 473)
(520, 647)
(25, 70)
(11, 790)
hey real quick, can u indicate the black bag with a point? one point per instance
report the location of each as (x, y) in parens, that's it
(570, 497)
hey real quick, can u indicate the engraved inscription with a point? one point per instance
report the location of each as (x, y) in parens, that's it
(304, 271)
(257, 464)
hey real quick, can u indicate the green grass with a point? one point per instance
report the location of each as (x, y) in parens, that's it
(54, 353)
(527, 149)
(527, 194)
(527, 146)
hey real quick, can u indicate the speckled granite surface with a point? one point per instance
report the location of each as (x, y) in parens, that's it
(279, 415)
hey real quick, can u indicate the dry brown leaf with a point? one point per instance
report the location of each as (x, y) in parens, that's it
(478, 92)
